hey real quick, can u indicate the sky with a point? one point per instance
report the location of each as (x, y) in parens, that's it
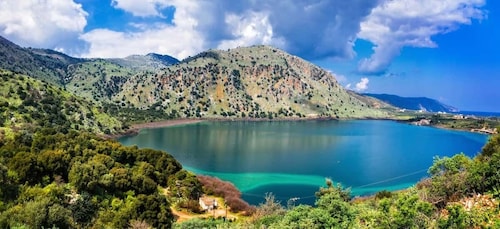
(442, 49)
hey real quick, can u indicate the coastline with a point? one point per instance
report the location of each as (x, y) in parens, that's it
(135, 128)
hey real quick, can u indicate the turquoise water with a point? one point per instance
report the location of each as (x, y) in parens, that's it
(293, 158)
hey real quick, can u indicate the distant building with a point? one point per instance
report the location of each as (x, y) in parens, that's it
(422, 122)
(207, 204)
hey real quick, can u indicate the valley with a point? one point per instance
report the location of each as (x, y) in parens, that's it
(59, 167)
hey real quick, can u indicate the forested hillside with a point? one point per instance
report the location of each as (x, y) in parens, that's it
(29, 104)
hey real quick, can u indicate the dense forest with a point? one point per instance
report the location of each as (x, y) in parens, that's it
(77, 180)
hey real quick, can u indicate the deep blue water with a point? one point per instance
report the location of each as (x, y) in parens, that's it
(293, 158)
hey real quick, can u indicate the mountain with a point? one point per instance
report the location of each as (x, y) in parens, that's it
(254, 82)
(414, 103)
(251, 82)
(59, 68)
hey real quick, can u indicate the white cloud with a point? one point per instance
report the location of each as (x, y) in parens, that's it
(317, 29)
(179, 40)
(141, 8)
(251, 28)
(399, 23)
(167, 40)
(312, 29)
(47, 24)
(362, 85)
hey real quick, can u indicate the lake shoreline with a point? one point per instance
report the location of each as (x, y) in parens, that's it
(136, 128)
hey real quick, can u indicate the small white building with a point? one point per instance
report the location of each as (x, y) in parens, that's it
(207, 204)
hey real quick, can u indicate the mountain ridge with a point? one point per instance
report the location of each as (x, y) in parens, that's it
(414, 103)
(247, 82)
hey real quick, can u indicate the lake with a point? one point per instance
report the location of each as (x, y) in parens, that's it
(293, 158)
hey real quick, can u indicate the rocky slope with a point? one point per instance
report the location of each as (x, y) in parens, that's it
(254, 82)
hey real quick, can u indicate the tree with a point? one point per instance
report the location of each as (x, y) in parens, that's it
(83, 209)
(333, 199)
(27, 167)
(449, 179)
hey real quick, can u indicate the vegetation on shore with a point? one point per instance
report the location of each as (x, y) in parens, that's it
(454, 121)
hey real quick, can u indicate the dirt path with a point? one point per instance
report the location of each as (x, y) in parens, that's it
(182, 216)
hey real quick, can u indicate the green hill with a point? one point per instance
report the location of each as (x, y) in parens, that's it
(46, 65)
(27, 103)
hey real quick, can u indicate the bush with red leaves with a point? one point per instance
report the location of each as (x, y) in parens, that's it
(232, 196)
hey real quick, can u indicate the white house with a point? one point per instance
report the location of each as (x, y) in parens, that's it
(207, 204)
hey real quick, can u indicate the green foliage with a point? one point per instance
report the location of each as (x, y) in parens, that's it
(109, 185)
(450, 179)
(36, 105)
(383, 194)
(333, 199)
(332, 211)
(203, 223)
(411, 212)
(304, 216)
(456, 218)
(491, 148)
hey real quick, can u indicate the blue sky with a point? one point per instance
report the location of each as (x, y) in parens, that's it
(447, 50)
